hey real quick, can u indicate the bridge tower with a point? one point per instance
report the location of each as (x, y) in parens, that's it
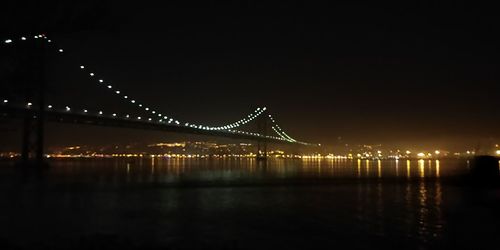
(34, 119)
(262, 128)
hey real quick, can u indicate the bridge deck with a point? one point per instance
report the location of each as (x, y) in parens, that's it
(99, 120)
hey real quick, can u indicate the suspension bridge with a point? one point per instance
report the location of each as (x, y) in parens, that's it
(37, 110)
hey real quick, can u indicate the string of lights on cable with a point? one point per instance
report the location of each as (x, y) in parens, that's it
(153, 114)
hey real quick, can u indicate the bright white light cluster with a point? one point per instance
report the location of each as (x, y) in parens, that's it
(230, 126)
(280, 131)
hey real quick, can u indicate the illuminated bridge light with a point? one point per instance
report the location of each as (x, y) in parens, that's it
(29, 104)
(127, 116)
(85, 111)
(91, 74)
(150, 119)
(100, 112)
(117, 92)
(125, 97)
(114, 115)
(49, 41)
(138, 118)
(68, 108)
(8, 41)
(5, 101)
(82, 67)
(23, 38)
(140, 105)
(133, 101)
(153, 112)
(49, 106)
(61, 50)
(146, 109)
(101, 80)
(110, 87)
(36, 37)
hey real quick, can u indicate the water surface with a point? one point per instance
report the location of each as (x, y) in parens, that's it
(166, 203)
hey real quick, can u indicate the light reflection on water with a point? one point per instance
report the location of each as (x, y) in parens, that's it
(172, 170)
(375, 202)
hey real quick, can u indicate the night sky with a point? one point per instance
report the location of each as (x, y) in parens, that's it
(406, 74)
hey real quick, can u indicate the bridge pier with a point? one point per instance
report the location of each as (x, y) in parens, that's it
(261, 150)
(33, 139)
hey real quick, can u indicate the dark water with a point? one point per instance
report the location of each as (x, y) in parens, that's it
(245, 204)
